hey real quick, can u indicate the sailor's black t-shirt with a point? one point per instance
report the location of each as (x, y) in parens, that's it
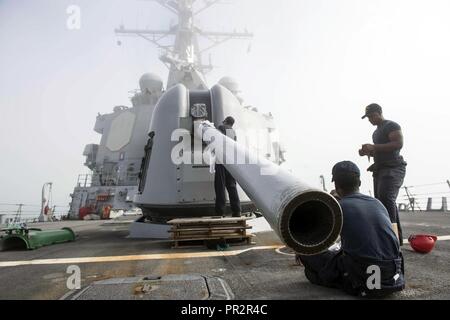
(228, 131)
(367, 231)
(381, 136)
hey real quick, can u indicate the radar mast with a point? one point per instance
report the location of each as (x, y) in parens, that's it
(184, 57)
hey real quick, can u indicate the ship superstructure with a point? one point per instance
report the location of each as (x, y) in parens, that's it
(115, 162)
(120, 162)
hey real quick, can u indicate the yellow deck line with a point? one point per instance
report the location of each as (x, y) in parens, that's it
(163, 256)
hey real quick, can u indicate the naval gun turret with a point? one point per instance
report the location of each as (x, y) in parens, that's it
(179, 182)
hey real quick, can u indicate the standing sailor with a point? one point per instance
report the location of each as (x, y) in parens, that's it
(223, 179)
(389, 168)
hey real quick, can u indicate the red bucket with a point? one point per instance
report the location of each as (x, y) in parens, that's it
(422, 243)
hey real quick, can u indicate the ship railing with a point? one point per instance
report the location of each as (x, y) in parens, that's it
(84, 180)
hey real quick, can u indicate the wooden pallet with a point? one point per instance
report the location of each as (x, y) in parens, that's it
(202, 230)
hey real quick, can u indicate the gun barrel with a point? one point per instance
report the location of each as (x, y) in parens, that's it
(307, 220)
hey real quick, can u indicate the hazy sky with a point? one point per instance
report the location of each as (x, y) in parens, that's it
(315, 64)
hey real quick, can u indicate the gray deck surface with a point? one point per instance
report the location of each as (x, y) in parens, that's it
(253, 274)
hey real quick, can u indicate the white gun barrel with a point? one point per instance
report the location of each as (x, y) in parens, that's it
(307, 220)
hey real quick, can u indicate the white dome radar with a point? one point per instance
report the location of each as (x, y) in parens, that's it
(231, 84)
(151, 83)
